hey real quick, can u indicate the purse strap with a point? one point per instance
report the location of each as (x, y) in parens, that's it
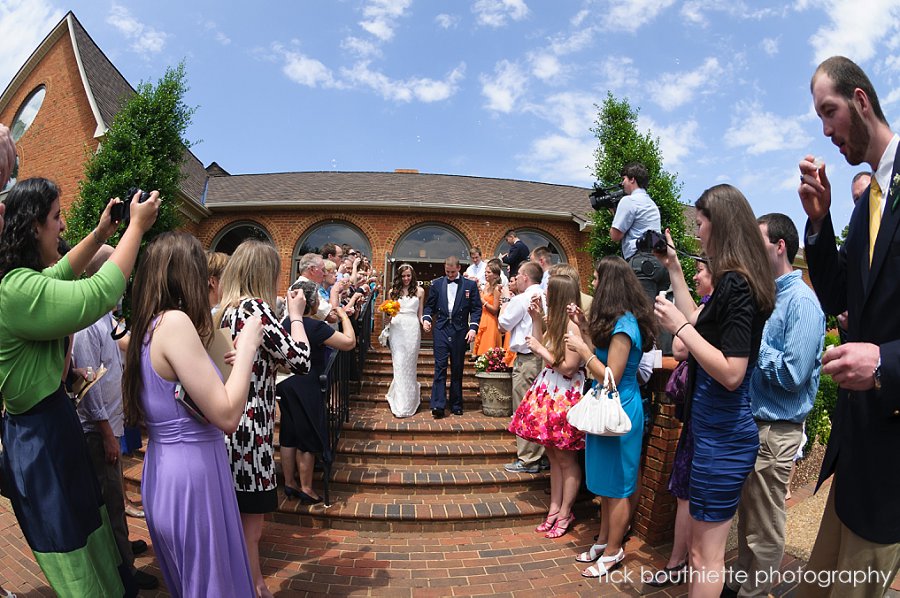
(609, 382)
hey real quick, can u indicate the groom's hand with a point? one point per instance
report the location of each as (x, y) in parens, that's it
(426, 325)
(470, 336)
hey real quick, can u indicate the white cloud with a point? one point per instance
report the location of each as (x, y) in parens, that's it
(23, 24)
(629, 15)
(575, 42)
(361, 47)
(144, 39)
(853, 31)
(405, 90)
(446, 21)
(218, 35)
(676, 140)
(494, 13)
(761, 132)
(573, 112)
(505, 88)
(559, 158)
(694, 11)
(619, 72)
(545, 67)
(769, 46)
(380, 17)
(307, 71)
(676, 89)
(579, 18)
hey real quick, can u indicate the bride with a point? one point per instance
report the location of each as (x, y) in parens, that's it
(404, 395)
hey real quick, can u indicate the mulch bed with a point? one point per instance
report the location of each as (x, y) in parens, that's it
(808, 467)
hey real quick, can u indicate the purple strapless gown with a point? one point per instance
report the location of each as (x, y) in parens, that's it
(189, 498)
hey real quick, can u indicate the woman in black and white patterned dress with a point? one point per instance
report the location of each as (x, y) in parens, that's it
(249, 285)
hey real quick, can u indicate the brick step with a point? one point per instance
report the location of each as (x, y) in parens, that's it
(422, 370)
(376, 422)
(370, 384)
(443, 479)
(426, 452)
(424, 360)
(368, 400)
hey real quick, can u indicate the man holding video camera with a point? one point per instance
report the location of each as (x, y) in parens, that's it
(635, 214)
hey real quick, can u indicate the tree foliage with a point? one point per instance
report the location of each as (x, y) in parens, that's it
(144, 147)
(621, 143)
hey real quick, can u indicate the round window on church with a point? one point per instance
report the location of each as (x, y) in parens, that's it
(534, 239)
(235, 234)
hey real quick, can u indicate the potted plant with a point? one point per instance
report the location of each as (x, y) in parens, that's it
(495, 383)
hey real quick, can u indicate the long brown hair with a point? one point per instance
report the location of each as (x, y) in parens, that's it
(397, 285)
(619, 291)
(172, 275)
(735, 243)
(561, 291)
(252, 272)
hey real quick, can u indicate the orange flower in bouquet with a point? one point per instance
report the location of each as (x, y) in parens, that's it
(390, 307)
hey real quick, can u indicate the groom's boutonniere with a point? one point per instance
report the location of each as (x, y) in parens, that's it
(467, 293)
(895, 191)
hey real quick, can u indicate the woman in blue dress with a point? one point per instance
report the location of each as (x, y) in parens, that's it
(619, 328)
(723, 340)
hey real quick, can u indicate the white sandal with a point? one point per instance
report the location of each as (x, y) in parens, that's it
(591, 555)
(604, 565)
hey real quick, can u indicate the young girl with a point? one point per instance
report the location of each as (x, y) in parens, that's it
(541, 416)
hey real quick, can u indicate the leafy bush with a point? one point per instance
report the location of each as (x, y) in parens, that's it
(818, 423)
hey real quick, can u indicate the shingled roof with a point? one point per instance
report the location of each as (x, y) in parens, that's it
(399, 190)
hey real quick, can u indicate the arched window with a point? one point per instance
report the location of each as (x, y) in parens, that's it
(533, 239)
(23, 119)
(431, 243)
(238, 232)
(332, 231)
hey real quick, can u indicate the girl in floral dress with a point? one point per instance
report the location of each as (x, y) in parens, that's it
(541, 416)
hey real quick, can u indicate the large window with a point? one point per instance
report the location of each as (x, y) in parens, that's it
(534, 239)
(431, 243)
(235, 234)
(333, 231)
(23, 119)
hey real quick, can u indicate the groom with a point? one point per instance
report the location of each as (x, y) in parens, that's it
(455, 307)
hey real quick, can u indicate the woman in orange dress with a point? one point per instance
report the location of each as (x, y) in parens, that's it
(488, 335)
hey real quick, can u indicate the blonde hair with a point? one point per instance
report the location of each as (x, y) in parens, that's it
(216, 262)
(329, 266)
(252, 272)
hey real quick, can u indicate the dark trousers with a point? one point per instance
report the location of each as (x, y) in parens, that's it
(448, 344)
(109, 476)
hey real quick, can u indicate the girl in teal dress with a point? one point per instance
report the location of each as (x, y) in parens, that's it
(619, 328)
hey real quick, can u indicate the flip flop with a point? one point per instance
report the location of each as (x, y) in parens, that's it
(591, 555)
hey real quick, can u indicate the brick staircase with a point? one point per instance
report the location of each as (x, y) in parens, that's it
(415, 474)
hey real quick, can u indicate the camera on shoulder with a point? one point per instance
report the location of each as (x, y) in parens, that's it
(606, 197)
(121, 212)
(651, 242)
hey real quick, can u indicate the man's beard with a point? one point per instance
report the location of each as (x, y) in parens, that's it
(858, 138)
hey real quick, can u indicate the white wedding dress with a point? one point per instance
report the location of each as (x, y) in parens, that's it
(405, 392)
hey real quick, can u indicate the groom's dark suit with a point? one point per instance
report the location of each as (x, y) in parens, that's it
(449, 332)
(865, 437)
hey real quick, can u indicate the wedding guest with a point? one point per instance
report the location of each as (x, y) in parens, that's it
(249, 283)
(405, 392)
(517, 253)
(476, 269)
(47, 468)
(541, 416)
(723, 340)
(192, 512)
(488, 335)
(215, 262)
(618, 330)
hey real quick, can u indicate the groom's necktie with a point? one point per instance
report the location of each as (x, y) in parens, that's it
(451, 293)
(875, 198)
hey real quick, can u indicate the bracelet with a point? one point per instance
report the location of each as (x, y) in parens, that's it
(97, 239)
(297, 320)
(589, 360)
(680, 327)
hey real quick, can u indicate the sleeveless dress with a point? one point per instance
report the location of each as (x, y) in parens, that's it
(405, 392)
(189, 499)
(541, 416)
(488, 335)
(611, 462)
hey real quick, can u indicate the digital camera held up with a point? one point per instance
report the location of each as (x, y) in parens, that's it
(606, 197)
(121, 212)
(651, 242)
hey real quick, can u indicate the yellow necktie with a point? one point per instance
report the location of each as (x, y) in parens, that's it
(874, 216)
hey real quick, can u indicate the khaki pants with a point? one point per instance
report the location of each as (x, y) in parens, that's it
(838, 550)
(761, 513)
(109, 475)
(525, 370)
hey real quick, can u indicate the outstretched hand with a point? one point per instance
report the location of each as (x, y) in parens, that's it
(814, 191)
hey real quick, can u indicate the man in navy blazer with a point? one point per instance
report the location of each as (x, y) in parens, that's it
(452, 310)
(860, 530)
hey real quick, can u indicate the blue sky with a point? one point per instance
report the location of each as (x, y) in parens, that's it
(495, 88)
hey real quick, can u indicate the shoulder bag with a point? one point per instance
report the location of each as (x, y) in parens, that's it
(600, 412)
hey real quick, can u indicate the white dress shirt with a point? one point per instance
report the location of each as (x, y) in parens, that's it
(476, 271)
(516, 320)
(451, 293)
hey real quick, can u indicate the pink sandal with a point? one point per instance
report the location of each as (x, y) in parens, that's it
(547, 525)
(561, 526)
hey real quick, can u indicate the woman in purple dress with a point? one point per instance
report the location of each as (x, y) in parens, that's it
(191, 508)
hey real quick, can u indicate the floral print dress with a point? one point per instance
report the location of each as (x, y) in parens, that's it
(541, 416)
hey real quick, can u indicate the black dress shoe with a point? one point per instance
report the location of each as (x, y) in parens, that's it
(145, 581)
(437, 413)
(456, 411)
(138, 547)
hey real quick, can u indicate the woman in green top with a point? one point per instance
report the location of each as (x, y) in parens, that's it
(46, 469)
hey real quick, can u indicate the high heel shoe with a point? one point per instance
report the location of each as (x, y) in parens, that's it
(548, 523)
(560, 527)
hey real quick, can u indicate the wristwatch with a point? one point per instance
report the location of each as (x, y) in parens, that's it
(876, 374)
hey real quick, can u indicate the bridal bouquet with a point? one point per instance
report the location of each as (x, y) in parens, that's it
(492, 361)
(390, 307)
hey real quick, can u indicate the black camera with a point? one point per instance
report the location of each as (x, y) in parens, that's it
(122, 211)
(651, 242)
(606, 197)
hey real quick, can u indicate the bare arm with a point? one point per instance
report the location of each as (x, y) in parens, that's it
(346, 339)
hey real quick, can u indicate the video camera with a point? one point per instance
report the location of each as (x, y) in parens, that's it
(606, 197)
(651, 242)
(121, 212)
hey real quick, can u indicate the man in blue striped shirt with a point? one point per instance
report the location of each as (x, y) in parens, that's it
(782, 391)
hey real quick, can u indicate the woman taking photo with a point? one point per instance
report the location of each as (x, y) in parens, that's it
(304, 420)
(541, 416)
(488, 335)
(405, 394)
(249, 284)
(47, 470)
(723, 340)
(619, 329)
(191, 509)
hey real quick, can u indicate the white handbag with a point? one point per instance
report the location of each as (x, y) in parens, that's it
(601, 412)
(385, 337)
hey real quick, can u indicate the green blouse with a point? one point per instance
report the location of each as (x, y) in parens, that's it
(38, 310)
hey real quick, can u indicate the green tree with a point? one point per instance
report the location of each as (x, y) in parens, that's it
(621, 143)
(144, 147)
